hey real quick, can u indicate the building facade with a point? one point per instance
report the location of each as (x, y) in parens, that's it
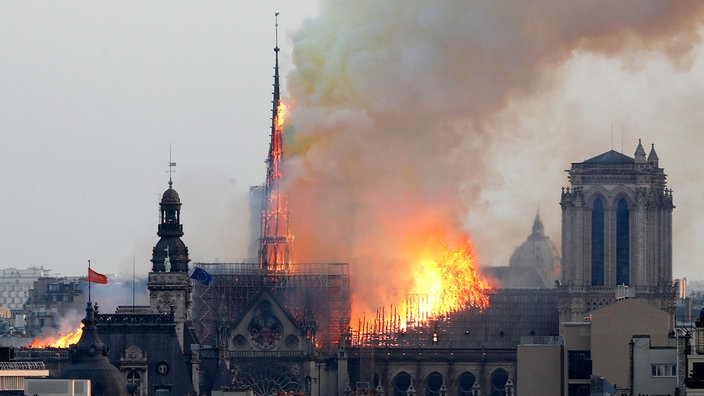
(49, 299)
(625, 348)
(16, 284)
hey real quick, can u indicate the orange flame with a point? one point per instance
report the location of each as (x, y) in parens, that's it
(439, 281)
(280, 115)
(444, 281)
(58, 341)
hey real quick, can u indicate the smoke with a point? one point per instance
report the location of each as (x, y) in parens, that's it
(407, 120)
(119, 290)
(64, 323)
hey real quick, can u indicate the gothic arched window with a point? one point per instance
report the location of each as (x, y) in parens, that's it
(598, 243)
(622, 243)
(465, 382)
(433, 384)
(401, 382)
(499, 378)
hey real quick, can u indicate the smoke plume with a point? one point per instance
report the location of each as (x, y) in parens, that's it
(400, 118)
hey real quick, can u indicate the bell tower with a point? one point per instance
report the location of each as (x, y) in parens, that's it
(616, 233)
(169, 284)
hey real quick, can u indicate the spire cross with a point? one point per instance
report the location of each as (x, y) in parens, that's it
(171, 168)
(276, 26)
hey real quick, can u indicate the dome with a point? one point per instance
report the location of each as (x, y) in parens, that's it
(537, 252)
(177, 254)
(170, 197)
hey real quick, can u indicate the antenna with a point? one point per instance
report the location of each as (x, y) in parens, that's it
(622, 138)
(132, 282)
(88, 280)
(612, 134)
(171, 167)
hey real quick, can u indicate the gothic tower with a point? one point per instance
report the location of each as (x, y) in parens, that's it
(616, 233)
(169, 284)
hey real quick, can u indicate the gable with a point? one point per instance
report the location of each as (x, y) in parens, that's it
(266, 326)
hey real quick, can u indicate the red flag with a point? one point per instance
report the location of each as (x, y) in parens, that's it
(96, 277)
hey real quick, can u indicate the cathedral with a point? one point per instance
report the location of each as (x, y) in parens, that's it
(278, 327)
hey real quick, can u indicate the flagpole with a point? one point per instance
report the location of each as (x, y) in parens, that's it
(88, 280)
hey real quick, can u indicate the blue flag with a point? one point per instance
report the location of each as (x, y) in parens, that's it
(201, 275)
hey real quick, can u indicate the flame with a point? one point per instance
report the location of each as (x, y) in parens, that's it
(442, 280)
(59, 341)
(280, 115)
(445, 280)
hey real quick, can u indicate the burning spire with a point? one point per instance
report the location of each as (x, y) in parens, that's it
(275, 240)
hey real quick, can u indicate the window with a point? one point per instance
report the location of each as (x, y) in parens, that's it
(133, 382)
(465, 383)
(401, 383)
(663, 370)
(598, 243)
(499, 378)
(433, 384)
(579, 364)
(578, 389)
(622, 243)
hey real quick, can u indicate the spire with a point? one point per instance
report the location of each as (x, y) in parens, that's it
(537, 226)
(277, 97)
(640, 153)
(275, 240)
(653, 156)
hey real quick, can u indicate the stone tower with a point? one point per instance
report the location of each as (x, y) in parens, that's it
(616, 233)
(169, 284)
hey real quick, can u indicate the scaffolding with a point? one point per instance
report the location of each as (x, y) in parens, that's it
(316, 294)
(511, 313)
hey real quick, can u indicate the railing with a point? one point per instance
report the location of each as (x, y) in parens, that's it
(442, 354)
(541, 340)
(265, 354)
(129, 318)
(294, 268)
(40, 354)
(22, 366)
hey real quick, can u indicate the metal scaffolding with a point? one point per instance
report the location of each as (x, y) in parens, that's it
(316, 294)
(512, 313)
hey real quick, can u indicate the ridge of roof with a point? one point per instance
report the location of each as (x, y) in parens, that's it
(610, 157)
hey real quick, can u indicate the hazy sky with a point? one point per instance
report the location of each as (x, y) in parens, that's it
(94, 94)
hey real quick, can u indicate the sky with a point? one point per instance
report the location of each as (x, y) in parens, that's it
(404, 115)
(98, 98)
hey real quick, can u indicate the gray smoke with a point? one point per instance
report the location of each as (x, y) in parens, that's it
(411, 117)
